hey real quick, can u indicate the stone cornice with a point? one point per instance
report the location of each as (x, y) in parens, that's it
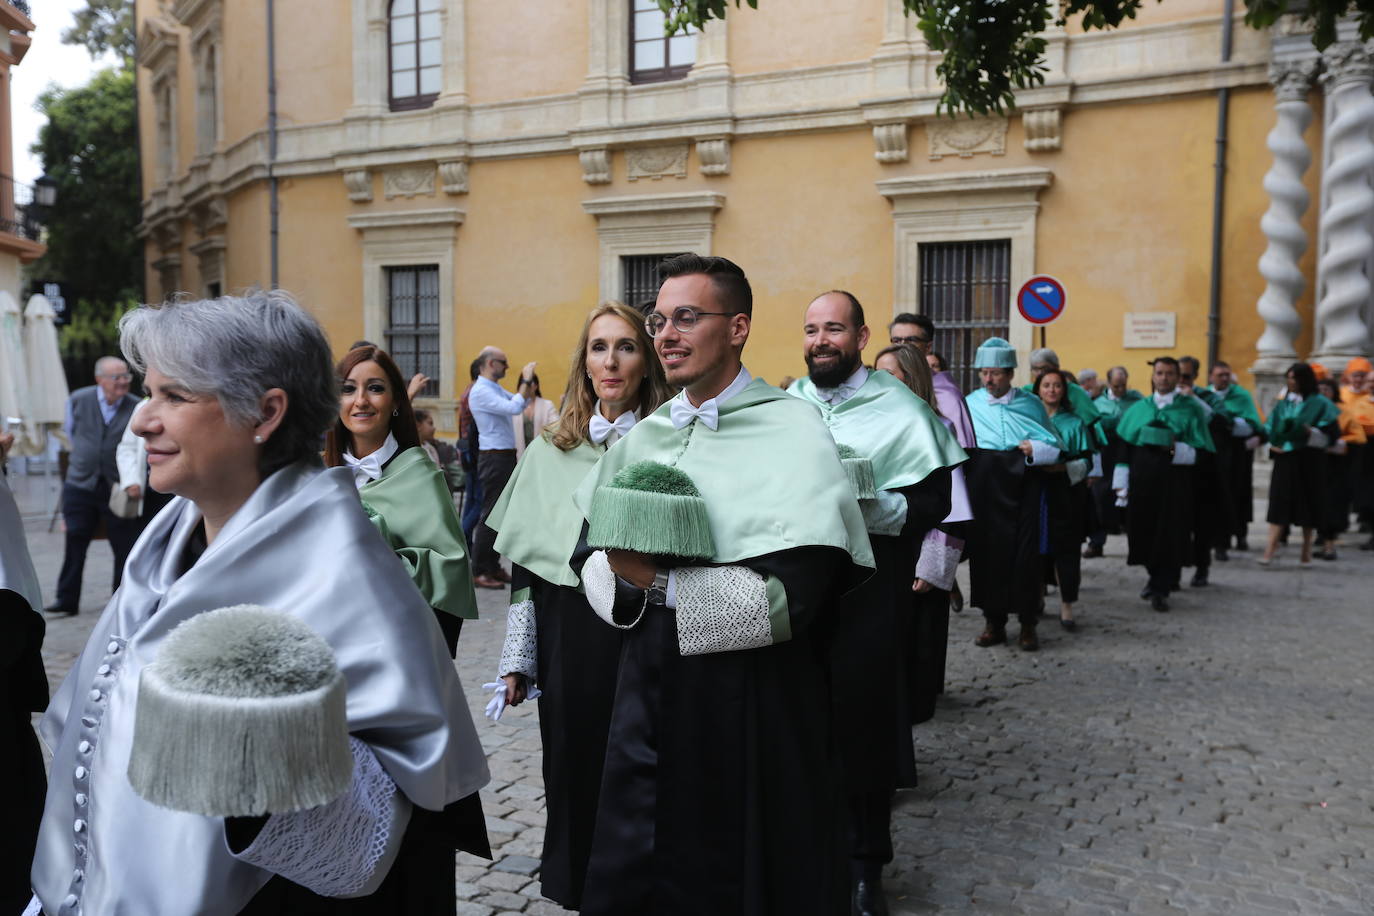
(654, 203)
(408, 219)
(966, 183)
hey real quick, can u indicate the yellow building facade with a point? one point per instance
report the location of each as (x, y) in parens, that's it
(448, 174)
(20, 230)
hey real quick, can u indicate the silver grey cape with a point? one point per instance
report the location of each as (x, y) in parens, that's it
(16, 567)
(303, 545)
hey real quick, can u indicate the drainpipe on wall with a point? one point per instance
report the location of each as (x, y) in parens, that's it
(1219, 193)
(274, 204)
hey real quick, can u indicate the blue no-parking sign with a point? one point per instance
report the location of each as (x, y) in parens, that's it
(1041, 299)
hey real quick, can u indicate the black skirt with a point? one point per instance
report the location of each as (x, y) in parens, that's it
(1297, 489)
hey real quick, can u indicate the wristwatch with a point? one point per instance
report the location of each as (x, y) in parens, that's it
(658, 592)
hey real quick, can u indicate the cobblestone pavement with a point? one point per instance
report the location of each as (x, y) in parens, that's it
(1214, 759)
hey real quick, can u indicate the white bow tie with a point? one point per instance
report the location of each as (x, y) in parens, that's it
(682, 412)
(364, 469)
(837, 395)
(601, 428)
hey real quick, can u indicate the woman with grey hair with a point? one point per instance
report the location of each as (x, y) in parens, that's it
(241, 392)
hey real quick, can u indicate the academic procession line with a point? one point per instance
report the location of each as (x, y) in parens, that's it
(731, 602)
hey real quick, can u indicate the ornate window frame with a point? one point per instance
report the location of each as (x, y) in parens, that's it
(209, 254)
(405, 238)
(965, 207)
(372, 60)
(650, 224)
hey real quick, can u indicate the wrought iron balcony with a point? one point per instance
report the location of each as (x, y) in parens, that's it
(24, 208)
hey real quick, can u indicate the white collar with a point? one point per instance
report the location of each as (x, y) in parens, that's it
(370, 468)
(1004, 399)
(1164, 400)
(732, 389)
(1111, 395)
(600, 430)
(1292, 396)
(846, 389)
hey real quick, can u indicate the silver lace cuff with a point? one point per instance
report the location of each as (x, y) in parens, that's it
(519, 652)
(721, 609)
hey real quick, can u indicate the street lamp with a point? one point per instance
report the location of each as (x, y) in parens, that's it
(45, 191)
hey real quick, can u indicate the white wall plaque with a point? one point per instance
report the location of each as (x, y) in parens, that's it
(1152, 330)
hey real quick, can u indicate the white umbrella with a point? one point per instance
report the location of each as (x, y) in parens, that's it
(47, 379)
(14, 379)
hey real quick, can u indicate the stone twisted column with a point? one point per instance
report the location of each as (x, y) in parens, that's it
(1282, 222)
(1348, 200)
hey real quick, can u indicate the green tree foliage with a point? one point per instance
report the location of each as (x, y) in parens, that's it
(104, 26)
(89, 147)
(992, 48)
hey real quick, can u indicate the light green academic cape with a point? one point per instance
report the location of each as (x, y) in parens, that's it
(1237, 403)
(770, 475)
(411, 506)
(536, 520)
(1078, 443)
(891, 427)
(1185, 417)
(1000, 427)
(1286, 420)
(1082, 404)
(1111, 410)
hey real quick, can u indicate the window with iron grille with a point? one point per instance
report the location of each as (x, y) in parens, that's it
(655, 57)
(412, 333)
(415, 53)
(639, 278)
(966, 291)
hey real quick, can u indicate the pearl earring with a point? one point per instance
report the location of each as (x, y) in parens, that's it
(258, 439)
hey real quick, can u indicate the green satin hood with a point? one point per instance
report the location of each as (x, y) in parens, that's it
(1186, 417)
(769, 473)
(1110, 411)
(891, 427)
(1081, 403)
(1237, 402)
(1000, 427)
(1287, 419)
(411, 505)
(1078, 441)
(536, 520)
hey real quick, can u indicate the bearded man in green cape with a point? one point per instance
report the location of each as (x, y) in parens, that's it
(875, 654)
(720, 793)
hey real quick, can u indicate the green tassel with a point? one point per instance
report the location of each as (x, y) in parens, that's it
(663, 524)
(860, 471)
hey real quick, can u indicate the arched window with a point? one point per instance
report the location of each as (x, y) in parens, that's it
(415, 45)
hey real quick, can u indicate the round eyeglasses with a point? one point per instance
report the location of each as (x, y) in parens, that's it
(684, 320)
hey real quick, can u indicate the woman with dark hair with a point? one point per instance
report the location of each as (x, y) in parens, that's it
(553, 638)
(241, 391)
(1340, 460)
(1065, 494)
(1301, 426)
(529, 423)
(404, 493)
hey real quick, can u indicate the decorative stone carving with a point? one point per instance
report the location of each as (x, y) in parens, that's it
(168, 275)
(453, 174)
(889, 142)
(210, 214)
(596, 165)
(359, 184)
(963, 137)
(1282, 222)
(416, 181)
(714, 155)
(167, 235)
(656, 162)
(1343, 284)
(1041, 126)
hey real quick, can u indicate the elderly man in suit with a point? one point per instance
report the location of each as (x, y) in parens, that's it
(96, 418)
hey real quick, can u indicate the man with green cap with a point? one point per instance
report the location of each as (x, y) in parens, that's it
(720, 792)
(874, 655)
(1017, 442)
(1164, 434)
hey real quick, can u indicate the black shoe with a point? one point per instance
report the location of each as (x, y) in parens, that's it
(1199, 579)
(1070, 625)
(867, 886)
(1158, 603)
(1327, 555)
(1147, 593)
(1092, 551)
(1222, 555)
(58, 610)
(1242, 544)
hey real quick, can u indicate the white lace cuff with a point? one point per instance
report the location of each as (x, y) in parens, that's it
(1121, 476)
(1240, 428)
(1096, 470)
(1077, 469)
(884, 514)
(344, 848)
(1042, 453)
(519, 652)
(1184, 454)
(598, 581)
(725, 609)
(1317, 439)
(939, 559)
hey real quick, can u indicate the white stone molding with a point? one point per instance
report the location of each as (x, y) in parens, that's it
(408, 238)
(359, 185)
(596, 165)
(650, 224)
(167, 235)
(1282, 222)
(965, 207)
(453, 174)
(209, 254)
(889, 142)
(656, 162)
(713, 154)
(963, 136)
(1343, 284)
(412, 181)
(453, 18)
(168, 269)
(1041, 127)
(209, 214)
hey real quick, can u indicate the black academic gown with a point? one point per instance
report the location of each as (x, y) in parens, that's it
(1066, 508)
(23, 690)
(1004, 538)
(1160, 522)
(722, 790)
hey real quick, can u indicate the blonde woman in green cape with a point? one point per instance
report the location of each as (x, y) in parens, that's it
(553, 638)
(402, 490)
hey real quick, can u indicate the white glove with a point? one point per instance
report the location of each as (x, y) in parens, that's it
(1252, 443)
(1121, 498)
(497, 704)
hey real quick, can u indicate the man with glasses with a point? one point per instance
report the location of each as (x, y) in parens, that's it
(919, 331)
(96, 418)
(720, 793)
(492, 407)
